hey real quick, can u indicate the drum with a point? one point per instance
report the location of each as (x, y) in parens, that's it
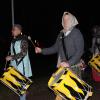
(67, 85)
(95, 62)
(96, 75)
(14, 80)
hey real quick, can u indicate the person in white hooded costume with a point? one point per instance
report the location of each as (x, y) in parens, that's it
(73, 42)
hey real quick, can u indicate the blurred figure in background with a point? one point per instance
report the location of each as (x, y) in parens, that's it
(95, 51)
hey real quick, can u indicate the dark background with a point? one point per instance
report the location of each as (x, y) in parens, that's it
(41, 19)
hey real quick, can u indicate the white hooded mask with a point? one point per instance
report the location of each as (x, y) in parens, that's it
(72, 22)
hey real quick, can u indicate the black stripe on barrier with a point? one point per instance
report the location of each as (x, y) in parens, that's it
(59, 80)
(97, 66)
(72, 91)
(65, 72)
(18, 80)
(13, 85)
(82, 87)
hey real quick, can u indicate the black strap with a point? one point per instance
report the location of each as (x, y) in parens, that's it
(64, 48)
(17, 62)
(13, 47)
(21, 60)
(23, 68)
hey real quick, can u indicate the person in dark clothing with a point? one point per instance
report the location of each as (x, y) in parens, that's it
(96, 40)
(96, 50)
(74, 45)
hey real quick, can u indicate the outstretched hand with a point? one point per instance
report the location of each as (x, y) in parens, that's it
(8, 58)
(38, 50)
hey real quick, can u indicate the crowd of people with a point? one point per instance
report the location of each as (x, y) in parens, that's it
(69, 46)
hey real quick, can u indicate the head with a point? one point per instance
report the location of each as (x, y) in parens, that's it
(96, 30)
(68, 21)
(16, 30)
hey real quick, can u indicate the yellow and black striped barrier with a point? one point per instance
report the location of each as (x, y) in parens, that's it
(95, 62)
(14, 80)
(67, 85)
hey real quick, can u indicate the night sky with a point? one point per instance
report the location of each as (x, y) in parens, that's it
(41, 19)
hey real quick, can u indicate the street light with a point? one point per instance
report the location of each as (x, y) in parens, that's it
(12, 12)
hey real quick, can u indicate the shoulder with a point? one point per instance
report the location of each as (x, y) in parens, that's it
(24, 40)
(76, 32)
(24, 37)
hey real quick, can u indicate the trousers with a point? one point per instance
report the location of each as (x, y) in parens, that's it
(23, 97)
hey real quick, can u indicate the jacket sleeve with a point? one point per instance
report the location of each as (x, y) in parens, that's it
(23, 52)
(51, 50)
(79, 46)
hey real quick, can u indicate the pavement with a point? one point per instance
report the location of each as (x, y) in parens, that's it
(38, 91)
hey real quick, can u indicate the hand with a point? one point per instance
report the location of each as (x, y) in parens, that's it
(38, 50)
(64, 64)
(8, 58)
(81, 64)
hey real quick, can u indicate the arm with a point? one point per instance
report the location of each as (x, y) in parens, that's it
(79, 45)
(24, 48)
(51, 50)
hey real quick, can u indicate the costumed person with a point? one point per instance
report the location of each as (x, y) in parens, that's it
(73, 43)
(96, 51)
(19, 57)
